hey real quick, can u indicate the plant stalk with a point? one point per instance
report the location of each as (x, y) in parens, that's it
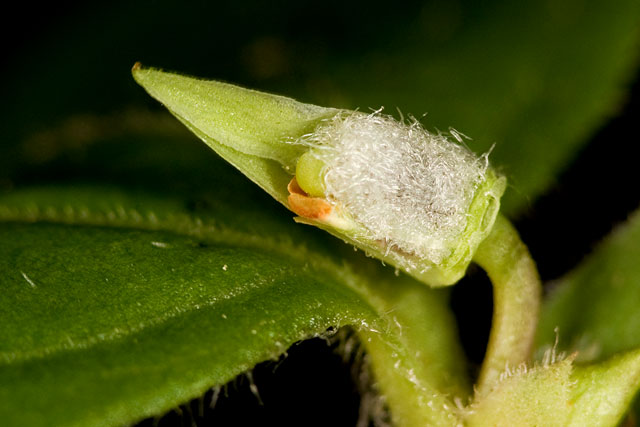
(516, 294)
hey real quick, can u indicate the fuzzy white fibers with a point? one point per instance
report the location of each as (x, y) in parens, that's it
(410, 188)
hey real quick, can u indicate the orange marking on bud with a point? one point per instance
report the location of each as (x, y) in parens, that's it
(294, 188)
(307, 207)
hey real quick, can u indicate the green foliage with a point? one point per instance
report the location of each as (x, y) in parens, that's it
(123, 241)
(595, 307)
(136, 303)
(560, 394)
(103, 326)
(603, 392)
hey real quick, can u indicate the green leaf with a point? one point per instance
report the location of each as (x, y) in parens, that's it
(603, 392)
(197, 194)
(561, 394)
(105, 327)
(595, 307)
(121, 305)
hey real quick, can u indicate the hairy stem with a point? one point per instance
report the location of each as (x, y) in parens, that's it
(516, 296)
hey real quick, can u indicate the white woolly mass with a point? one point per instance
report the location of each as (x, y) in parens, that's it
(409, 188)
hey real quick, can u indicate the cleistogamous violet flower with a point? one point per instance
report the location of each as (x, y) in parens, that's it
(420, 201)
(414, 199)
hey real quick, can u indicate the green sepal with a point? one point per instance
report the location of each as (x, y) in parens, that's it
(604, 391)
(561, 394)
(254, 131)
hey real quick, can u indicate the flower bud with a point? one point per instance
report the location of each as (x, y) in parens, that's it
(409, 197)
(414, 199)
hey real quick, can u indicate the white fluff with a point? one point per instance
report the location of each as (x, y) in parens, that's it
(409, 188)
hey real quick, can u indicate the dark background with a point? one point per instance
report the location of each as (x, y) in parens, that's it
(242, 43)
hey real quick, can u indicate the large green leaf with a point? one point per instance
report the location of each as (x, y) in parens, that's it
(535, 79)
(123, 304)
(105, 327)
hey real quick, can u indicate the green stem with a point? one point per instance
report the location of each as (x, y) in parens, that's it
(516, 296)
(410, 397)
(414, 352)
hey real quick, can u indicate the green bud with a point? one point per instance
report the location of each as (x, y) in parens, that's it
(416, 200)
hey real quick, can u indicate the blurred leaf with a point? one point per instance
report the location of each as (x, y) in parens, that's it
(595, 307)
(535, 79)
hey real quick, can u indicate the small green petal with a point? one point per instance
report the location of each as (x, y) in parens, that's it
(310, 174)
